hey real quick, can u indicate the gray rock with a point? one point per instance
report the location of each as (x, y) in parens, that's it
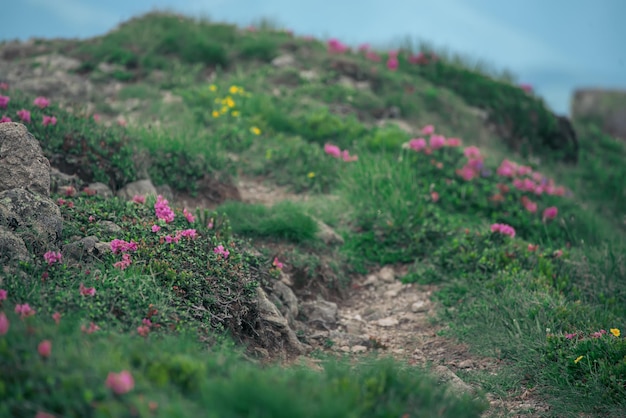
(56, 62)
(59, 180)
(269, 313)
(454, 382)
(36, 217)
(80, 250)
(110, 227)
(287, 298)
(140, 187)
(284, 61)
(327, 235)
(165, 191)
(320, 311)
(12, 247)
(22, 163)
(101, 189)
(387, 274)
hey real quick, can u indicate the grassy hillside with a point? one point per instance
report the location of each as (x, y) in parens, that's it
(466, 180)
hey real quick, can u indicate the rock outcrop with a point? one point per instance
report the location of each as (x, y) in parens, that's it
(605, 107)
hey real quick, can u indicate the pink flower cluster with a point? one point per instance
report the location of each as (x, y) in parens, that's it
(422, 59)
(4, 323)
(474, 165)
(435, 142)
(536, 183)
(189, 216)
(24, 310)
(4, 101)
(503, 229)
(140, 199)
(163, 210)
(52, 257)
(187, 233)
(120, 246)
(220, 250)
(86, 291)
(124, 263)
(335, 46)
(392, 61)
(277, 264)
(335, 151)
(49, 120)
(41, 102)
(120, 383)
(24, 115)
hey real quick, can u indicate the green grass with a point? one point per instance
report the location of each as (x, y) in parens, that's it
(497, 294)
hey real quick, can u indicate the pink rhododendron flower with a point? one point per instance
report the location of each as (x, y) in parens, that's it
(57, 317)
(467, 172)
(472, 152)
(532, 247)
(570, 336)
(550, 213)
(277, 263)
(336, 47)
(454, 142)
(189, 216)
(41, 102)
(143, 330)
(4, 323)
(5, 119)
(347, 157)
(146, 322)
(86, 291)
(138, 198)
(44, 348)
(417, 144)
(526, 87)
(49, 120)
(503, 229)
(428, 130)
(24, 310)
(91, 218)
(188, 233)
(162, 209)
(437, 141)
(125, 263)
(372, 56)
(3, 294)
(557, 253)
(90, 329)
(52, 257)
(4, 101)
(332, 150)
(392, 63)
(529, 205)
(120, 383)
(24, 115)
(220, 250)
(120, 246)
(434, 196)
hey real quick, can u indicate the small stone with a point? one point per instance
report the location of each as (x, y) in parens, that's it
(465, 364)
(344, 348)
(387, 274)
(358, 349)
(390, 294)
(387, 322)
(372, 280)
(419, 306)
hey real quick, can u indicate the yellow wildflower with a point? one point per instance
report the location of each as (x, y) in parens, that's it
(255, 130)
(212, 87)
(230, 102)
(224, 109)
(235, 113)
(311, 175)
(578, 359)
(615, 331)
(233, 89)
(216, 114)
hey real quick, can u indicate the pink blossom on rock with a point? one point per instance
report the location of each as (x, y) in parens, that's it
(41, 102)
(277, 263)
(4, 323)
(49, 120)
(24, 115)
(52, 257)
(44, 348)
(120, 246)
(138, 198)
(120, 383)
(5, 119)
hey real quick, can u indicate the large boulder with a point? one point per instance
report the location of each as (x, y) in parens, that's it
(22, 162)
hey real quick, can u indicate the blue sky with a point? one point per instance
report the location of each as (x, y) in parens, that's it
(555, 45)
